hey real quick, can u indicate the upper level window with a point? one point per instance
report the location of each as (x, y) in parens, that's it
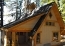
(50, 23)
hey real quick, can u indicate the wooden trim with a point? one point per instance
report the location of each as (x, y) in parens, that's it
(58, 35)
(51, 20)
(34, 41)
(19, 30)
(13, 38)
(62, 32)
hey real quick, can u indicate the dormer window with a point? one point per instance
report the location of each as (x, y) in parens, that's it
(50, 23)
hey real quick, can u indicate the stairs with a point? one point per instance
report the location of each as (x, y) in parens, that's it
(37, 25)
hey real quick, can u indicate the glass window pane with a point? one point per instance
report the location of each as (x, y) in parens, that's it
(55, 36)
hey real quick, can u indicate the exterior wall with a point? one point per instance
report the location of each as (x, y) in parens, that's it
(47, 31)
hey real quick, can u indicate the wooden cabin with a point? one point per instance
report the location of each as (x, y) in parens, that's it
(43, 27)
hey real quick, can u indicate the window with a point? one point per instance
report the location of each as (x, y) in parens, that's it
(38, 38)
(55, 36)
(50, 23)
(50, 15)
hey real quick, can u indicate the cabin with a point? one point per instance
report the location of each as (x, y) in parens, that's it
(42, 27)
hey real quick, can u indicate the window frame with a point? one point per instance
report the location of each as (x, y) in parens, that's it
(50, 23)
(40, 37)
(57, 36)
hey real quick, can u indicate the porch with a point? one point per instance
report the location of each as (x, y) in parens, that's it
(18, 39)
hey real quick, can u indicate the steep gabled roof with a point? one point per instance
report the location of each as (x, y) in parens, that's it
(44, 9)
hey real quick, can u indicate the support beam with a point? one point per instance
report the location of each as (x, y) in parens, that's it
(32, 42)
(5, 39)
(13, 38)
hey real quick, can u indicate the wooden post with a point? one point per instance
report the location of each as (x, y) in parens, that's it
(34, 41)
(13, 38)
(5, 38)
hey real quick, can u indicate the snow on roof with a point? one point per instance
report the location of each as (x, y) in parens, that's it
(7, 11)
